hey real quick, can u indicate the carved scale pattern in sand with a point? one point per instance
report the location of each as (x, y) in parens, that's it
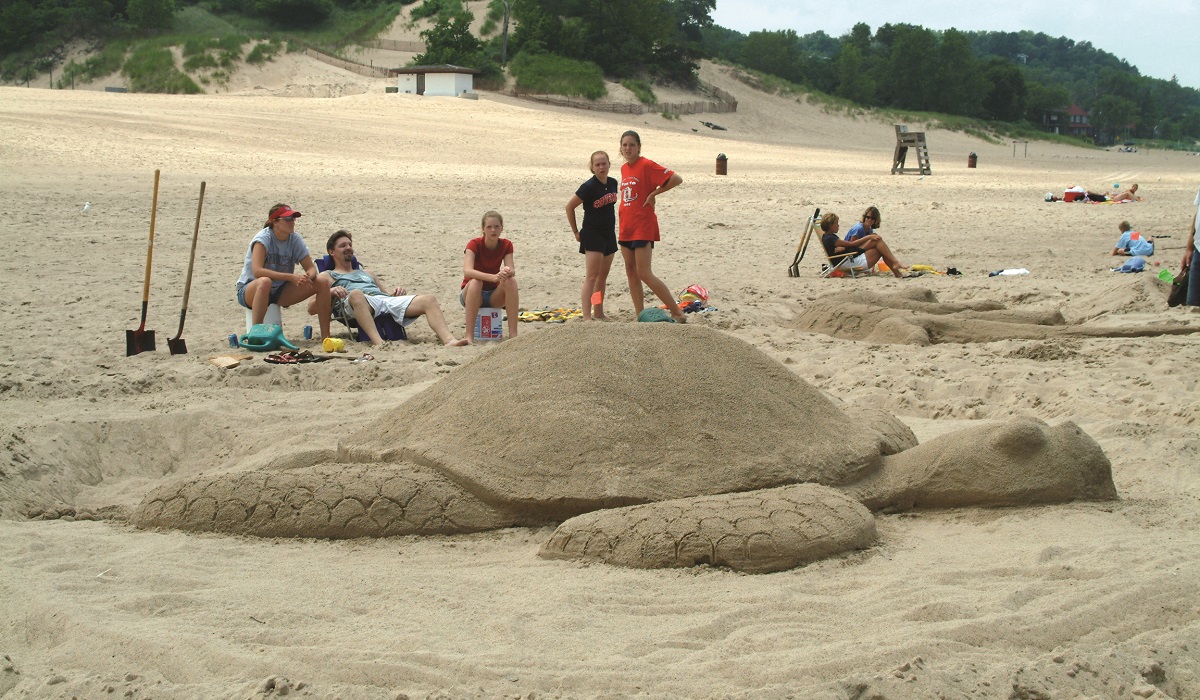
(333, 501)
(755, 531)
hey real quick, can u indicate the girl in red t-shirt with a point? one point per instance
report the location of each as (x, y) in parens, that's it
(489, 278)
(642, 180)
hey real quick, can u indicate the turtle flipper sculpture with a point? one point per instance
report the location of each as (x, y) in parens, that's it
(1022, 462)
(686, 423)
(755, 532)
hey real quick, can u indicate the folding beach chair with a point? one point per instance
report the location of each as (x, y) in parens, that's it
(794, 268)
(835, 262)
(388, 327)
(846, 262)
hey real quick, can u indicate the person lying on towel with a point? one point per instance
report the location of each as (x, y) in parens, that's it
(1129, 195)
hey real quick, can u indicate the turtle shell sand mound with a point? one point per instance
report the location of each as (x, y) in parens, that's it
(592, 416)
(692, 443)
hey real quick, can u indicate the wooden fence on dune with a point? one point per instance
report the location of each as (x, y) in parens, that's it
(722, 101)
(352, 66)
(394, 45)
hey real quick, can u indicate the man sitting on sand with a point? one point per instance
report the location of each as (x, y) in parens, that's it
(1132, 242)
(359, 294)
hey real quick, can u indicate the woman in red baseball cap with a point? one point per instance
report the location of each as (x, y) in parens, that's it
(269, 274)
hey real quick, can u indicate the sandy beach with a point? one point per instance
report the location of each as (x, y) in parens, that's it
(1079, 600)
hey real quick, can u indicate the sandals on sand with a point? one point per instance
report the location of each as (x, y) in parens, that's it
(293, 358)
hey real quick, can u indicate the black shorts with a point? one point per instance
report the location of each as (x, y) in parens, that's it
(634, 245)
(604, 242)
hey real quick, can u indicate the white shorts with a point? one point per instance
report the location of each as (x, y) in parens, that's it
(396, 306)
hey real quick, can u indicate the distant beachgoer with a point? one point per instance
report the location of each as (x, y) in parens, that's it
(489, 275)
(1129, 195)
(1075, 193)
(642, 181)
(863, 237)
(1132, 242)
(269, 272)
(597, 238)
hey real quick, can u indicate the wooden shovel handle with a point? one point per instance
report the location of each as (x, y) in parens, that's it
(187, 289)
(150, 248)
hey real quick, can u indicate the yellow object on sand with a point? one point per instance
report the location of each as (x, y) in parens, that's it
(559, 315)
(334, 345)
(922, 268)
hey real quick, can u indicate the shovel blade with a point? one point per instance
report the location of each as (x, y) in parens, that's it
(177, 346)
(138, 341)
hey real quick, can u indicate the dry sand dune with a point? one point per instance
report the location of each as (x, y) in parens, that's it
(1083, 600)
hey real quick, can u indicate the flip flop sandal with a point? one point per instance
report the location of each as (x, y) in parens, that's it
(306, 356)
(281, 359)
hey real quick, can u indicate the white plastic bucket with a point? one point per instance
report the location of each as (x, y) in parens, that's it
(489, 324)
(274, 316)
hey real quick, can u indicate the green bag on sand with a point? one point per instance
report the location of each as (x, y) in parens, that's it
(655, 315)
(264, 337)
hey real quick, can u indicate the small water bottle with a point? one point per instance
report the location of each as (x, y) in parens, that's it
(308, 332)
(233, 340)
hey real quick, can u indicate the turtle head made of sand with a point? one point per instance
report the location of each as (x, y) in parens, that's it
(652, 444)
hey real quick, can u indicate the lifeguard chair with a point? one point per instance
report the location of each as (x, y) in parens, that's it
(905, 140)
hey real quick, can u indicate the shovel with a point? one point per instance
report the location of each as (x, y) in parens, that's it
(794, 268)
(142, 340)
(176, 344)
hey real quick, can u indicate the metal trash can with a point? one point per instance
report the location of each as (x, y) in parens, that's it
(972, 160)
(722, 164)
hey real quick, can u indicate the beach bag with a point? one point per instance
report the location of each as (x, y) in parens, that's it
(1178, 293)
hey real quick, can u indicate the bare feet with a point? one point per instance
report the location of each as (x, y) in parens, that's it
(456, 343)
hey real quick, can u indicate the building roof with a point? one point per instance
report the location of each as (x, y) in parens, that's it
(443, 68)
(1077, 111)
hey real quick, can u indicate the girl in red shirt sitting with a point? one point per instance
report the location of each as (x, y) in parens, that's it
(489, 278)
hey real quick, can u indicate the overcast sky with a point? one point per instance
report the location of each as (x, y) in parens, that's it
(1160, 37)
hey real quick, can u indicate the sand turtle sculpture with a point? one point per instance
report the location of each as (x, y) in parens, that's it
(916, 317)
(653, 445)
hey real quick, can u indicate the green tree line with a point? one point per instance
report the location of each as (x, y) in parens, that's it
(1007, 76)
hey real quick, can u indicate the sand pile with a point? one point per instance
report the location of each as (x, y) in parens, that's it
(644, 412)
(529, 435)
(711, 495)
(915, 317)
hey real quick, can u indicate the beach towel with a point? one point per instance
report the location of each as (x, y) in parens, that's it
(1135, 264)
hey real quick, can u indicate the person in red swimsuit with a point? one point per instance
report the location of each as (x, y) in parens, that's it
(642, 181)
